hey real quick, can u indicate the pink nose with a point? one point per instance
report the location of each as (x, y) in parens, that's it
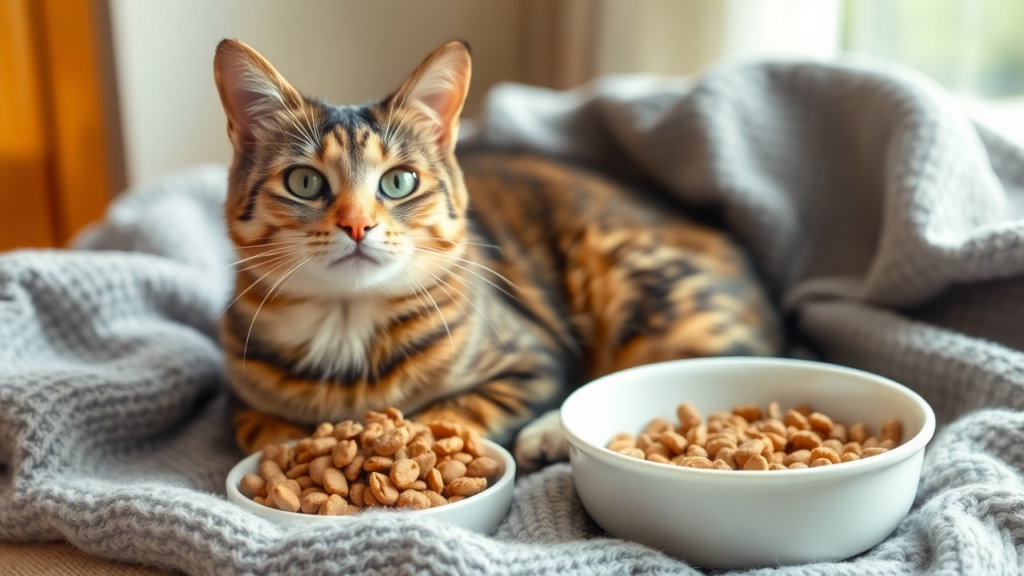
(356, 226)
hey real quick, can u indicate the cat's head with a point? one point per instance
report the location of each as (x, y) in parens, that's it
(329, 200)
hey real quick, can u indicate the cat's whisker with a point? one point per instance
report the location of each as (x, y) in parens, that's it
(283, 286)
(306, 130)
(299, 136)
(275, 245)
(416, 292)
(448, 259)
(260, 279)
(444, 320)
(264, 254)
(451, 342)
(391, 109)
(452, 242)
(245, 349)
(473, 262)
(286, 240)
(470, 300)
(387, 124)
(277, 258)
(282, 143)
(389, 127)
(441, 281)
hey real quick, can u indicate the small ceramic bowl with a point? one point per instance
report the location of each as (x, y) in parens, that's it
(481, 513)
(734, 519)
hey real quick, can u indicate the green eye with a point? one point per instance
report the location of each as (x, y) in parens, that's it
(399, 183)
(304, 182)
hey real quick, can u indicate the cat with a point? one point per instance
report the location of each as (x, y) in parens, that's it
(378, 269)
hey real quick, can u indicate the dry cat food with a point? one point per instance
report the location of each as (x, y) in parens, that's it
(750, 438)
(386, 461)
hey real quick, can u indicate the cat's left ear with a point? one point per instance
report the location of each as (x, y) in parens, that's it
(250, 89)
(438, 90)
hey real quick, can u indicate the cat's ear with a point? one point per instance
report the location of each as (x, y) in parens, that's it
(438, 90)
(250, 89)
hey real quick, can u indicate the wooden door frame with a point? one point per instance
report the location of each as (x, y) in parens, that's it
(61, 147)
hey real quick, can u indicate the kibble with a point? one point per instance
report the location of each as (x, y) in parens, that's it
(688, 416)
(452, 470)
(344, 452)
(466, 486)
(297, 470)
(435, 481)
(388, 461)
(334, 506)
(413, 499)
(745, 438)
(335, 482)
(378, 464)
(482, 467)
(676, 442)
(251, 485)
(826, 453)
(696, 462)
(696, 451)
(285, 499)
(404, 473)
(659, 449)
(435, 498)
(311, 503)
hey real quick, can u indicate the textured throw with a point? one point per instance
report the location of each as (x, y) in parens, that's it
(889, 227)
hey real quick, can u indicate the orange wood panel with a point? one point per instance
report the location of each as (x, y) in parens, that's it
(26, 191)
(83, 182)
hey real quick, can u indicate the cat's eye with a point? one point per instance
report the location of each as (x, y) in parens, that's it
(304, 183)
(399, 183)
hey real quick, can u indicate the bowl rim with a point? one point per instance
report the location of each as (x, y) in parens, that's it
(858, 467)
(236, 497)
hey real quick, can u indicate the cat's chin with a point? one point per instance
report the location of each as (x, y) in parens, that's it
(351, 277)
(354, 262)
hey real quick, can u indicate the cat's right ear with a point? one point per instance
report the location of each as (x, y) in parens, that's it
(250, 89)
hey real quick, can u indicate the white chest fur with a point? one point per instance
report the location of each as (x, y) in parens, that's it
(335, 335)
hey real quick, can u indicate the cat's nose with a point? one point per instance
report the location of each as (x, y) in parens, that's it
(356, 226)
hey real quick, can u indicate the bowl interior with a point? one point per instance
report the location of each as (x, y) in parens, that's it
(464, 512)
(626, 401)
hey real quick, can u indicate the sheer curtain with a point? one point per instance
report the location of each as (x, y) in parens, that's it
(975, 48)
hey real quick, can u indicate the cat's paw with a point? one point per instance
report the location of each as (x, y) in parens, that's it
(254, 430)
(541, 443)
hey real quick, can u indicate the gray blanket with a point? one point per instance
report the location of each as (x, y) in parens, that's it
(888, 225)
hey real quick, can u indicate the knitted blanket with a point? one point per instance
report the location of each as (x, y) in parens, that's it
(887, 224)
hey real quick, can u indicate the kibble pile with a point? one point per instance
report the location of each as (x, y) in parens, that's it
(752, 439)
(386, 461)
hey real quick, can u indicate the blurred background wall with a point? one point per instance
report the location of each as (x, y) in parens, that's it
(97, 95)
(353, 50)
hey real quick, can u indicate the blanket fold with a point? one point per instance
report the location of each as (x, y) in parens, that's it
(889, 225)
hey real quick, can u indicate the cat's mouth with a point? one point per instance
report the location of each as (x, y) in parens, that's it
(354, 257)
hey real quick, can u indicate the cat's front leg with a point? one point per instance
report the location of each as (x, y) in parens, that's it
(506, 402)
(541, 442)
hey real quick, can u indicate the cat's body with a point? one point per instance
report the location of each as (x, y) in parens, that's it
(482, 298)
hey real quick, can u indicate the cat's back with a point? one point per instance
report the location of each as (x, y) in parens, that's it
(527, 185)
(534, 200)
(624, 270)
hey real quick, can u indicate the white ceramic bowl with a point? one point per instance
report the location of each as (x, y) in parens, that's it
(481, 513)
(734, 519)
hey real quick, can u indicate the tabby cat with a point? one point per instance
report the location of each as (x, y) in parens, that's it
(376, 269)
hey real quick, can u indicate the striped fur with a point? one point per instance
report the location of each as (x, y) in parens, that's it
(487, 315)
